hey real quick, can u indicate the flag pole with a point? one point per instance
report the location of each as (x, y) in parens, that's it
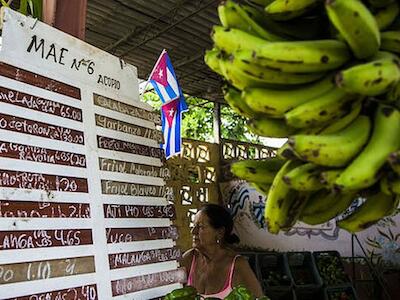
(151, 73)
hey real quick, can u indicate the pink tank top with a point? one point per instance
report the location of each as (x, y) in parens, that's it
(228, 282)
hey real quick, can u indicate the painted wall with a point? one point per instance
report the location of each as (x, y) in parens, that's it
(247, 206)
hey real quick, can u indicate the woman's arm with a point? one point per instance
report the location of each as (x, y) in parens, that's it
(244, 275)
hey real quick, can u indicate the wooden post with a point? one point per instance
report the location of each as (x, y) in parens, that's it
(68, 16)
(49, 11)
(217, 123)
(217, 140)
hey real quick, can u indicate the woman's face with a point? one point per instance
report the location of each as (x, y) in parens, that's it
(204, 235)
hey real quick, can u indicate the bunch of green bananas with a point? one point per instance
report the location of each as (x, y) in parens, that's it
(325, 75)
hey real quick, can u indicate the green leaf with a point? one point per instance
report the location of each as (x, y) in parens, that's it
(23, 7)
(36, 7)
(4, 3)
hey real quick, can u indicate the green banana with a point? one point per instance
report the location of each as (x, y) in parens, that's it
(390, 184)
(333, 150)
(241, 67)
(391, 41)
(384, 17)
(283, 204)
(325, 108)
(344, 121)
(239, 78)
(285, 152)
(289, 9)
(356, 25)
(229, 17)
(267, 127)
(211, 58)
(325, 205)
(375, 208)
(262, 188)
(233, 15)
(232, 39)
(303, 56)
(276, 102)
(393, 94)
(233, 97)
(370, 79)
(304, 178)
(328, 177)
(257, 170)
(287, 56)
(363, 170)
(380, 3)
(394, 161)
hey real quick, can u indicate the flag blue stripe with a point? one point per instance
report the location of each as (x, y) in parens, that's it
(168, 146)
(155, 86)
(178, 131)
(171, 68)
(170, 93)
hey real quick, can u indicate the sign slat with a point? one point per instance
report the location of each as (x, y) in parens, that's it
(134, 284)
(43, 82)
(86, 292)
(39, 270)
(29, 239)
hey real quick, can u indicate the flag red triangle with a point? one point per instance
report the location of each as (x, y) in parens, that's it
(170, 109)
(160, 71)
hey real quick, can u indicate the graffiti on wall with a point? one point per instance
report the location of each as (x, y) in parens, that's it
(381, 242)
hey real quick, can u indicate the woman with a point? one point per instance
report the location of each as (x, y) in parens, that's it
(213, 268)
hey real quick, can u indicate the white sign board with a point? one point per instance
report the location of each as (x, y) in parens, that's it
(83, 204)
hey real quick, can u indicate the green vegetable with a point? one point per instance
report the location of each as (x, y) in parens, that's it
(239, 293)
(185, 293)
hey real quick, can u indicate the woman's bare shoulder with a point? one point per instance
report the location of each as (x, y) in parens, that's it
(187, 257)
(189, 253)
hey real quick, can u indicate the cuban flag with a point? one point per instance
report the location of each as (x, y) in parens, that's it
(164, 81)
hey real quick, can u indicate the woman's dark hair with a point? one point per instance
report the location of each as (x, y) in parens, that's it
(221, 218)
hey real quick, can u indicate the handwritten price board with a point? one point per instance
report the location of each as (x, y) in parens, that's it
(84, 210)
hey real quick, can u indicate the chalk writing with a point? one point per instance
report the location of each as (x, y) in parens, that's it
(41, 155)
(29, 239)
(39, 270)
(130, 259)
(40, 104)
(39, 81)
(143, 282)
(139, 211)
(128, 147)
(86, 292)
(128, 128)
(126, 235)
(39, 181)
(127, 109)
(37, 128)
(120, 166)
(111, 187)
(32, 209)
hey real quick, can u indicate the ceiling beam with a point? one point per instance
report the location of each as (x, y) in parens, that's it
(138, 30)
(157, 34)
